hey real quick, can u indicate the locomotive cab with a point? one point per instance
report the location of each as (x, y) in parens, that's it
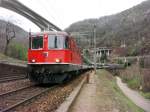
(47, 48)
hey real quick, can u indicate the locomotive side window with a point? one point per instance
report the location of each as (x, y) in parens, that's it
(37, 42)
(66, 45)
(57, 42)
(51, 41)
(60, 42)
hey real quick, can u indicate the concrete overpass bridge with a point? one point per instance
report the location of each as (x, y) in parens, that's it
(16, 6)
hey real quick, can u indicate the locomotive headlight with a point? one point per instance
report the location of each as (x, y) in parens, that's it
(57, 60)
(33, 60)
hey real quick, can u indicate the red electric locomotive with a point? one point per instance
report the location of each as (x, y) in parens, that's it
(52, 57)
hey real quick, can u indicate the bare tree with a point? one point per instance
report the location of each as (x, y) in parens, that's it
(1, 37)
(10, 34)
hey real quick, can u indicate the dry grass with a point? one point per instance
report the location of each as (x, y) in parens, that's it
(132, 75)
(146, 79)
(137, 78)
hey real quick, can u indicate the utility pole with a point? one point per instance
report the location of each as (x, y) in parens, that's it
(94, 35)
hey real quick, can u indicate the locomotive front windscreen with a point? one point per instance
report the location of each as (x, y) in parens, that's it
(37, 42)
(57, 42)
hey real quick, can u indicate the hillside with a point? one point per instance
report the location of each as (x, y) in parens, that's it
(18, 46)
(130, 27)
(21, 35)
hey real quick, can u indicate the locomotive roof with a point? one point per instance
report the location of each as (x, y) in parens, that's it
(50, 32)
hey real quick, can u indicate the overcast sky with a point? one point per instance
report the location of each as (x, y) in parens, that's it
(65, 12)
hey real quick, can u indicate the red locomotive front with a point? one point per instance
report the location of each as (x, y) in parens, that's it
(51, 53)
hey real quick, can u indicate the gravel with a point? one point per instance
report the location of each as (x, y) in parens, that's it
(12, 85)
(51, 100)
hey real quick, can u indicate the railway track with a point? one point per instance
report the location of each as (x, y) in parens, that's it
(11, 78)
(12, 91)
(15, 98)
(10, 72)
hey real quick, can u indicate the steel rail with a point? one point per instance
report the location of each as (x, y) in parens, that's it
(26, 100)
(10, 92)
(14, 78)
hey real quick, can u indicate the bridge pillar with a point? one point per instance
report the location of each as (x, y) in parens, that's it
(108, 53)
(100, 54)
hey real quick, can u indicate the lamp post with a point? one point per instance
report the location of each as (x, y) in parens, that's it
(94, 35)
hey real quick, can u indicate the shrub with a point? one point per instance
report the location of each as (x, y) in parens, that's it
(134, 83)
(18, 51)
(146, 94)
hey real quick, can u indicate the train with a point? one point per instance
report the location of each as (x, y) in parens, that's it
(53, 57)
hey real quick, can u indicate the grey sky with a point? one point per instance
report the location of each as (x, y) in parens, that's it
(65, 12)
